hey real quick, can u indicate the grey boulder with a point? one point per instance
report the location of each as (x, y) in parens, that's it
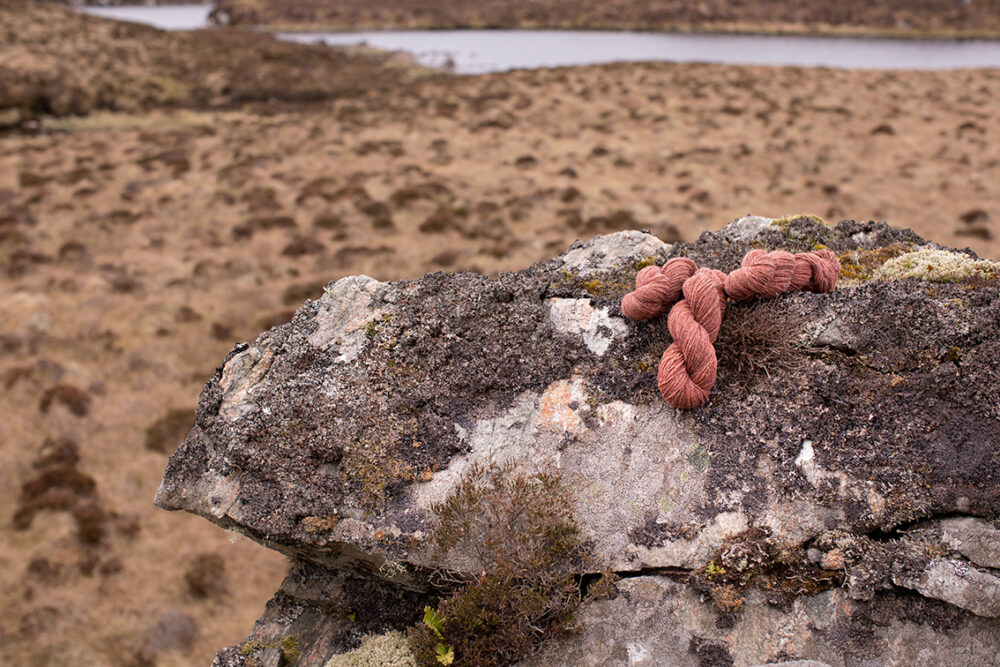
(819, 507)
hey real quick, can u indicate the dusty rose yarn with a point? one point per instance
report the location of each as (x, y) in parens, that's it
(696, 299)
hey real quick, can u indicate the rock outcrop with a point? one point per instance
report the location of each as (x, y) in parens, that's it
(836, 500)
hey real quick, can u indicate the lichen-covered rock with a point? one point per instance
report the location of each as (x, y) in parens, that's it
(655, 622)
(809, 511)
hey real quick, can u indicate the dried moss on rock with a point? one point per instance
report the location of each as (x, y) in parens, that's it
(519, 528)
(937, 265)
(388, 650)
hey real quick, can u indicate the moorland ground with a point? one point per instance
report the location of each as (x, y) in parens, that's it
(172, 205)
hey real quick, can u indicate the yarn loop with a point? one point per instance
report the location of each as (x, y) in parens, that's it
(696, 300)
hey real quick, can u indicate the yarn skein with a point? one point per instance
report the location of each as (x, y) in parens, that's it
(696, 300)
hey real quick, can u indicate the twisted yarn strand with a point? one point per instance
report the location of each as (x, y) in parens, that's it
(687, 369)
(696, 301)
(657, 288)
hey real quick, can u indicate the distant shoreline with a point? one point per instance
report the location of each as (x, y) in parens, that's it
(901, 19)
(785, 31)
(148, 3)
(271, 18)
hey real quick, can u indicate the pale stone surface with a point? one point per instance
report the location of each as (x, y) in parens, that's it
(607, 252)
(655, 619)
(240, 375)
(594, 325)
(958, 583)
(747, 227)
(976, 539)
(344, 310)
(613, 491)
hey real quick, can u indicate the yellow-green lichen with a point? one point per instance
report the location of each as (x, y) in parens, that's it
(609, 286)
(388, 650)
(594, 287)
(289, 646)
(373, 467)
(858, 266)
(785, 225)
(784, 221)
(941, 266)
(646, 261)
(371, 327)
(699, 458)
(612, 290)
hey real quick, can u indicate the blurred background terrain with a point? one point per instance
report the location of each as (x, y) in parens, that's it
(166, 195)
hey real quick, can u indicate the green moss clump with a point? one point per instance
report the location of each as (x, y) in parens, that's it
(520, 527)
(290, 646)
(371, 327)
(603, 286)
(941, 266)
(612, 290)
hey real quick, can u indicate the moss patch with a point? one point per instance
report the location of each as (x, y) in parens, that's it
(859, 266)
(607, 286)
(648, 261)
(373, 468)
(388, 650)
(752, 559)
(289, 646)
(784, 221)
(940, 266)
(806, 227)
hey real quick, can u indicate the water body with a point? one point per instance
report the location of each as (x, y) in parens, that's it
(479, 51)
(166, 17)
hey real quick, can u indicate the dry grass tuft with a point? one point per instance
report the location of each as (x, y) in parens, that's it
(520, 528)
(757, 340)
